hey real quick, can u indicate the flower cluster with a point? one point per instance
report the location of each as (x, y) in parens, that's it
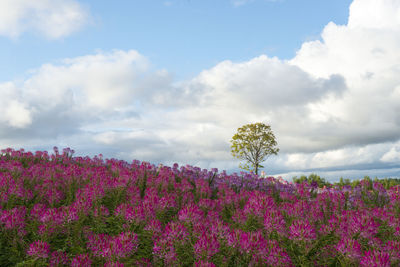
(58, 210)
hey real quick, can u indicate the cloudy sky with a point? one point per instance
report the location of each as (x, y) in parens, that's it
(171, 81)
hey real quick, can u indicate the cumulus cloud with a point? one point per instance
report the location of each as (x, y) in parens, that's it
(58, 99)
(365, 52)
(12, 109)
(51, 18)
(393, 155)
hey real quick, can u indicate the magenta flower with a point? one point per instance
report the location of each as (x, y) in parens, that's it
(393, 248)
(124, 244)
(258, 203)
(207, 204)
(375, 259)
(276, 256)
(204, 264)
(81, 260)
(113, 264)
(274, 221)
(349, 248)
(106, 246)
(202, 188)
(191, 213)
(245, 242)
(132, 213)
(174, 233)
(14, 218)
(206, 246)
(164, 249)
(155, 227)
(301, 230)
(58, 258)
(39, 249)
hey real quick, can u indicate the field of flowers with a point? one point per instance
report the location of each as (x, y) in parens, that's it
(60, 210)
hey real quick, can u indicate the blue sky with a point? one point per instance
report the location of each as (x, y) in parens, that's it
(171, 81)
(182, 36)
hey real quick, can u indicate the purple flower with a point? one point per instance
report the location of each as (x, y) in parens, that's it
(375, 259)
(58, 258)
(191, 213)
(349, 248)
(106, 246)
(39, 249)
(81, 260)
(206, 246)
(274, 221)
(204, 264)
(301, 230)
(113, 264)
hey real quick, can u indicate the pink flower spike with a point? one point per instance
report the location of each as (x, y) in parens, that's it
(301, 230)
(58, 258)
(204, 264)
(207, 246)
(375, 259)
(114, 264)
(349, 247)
(81, 260)
(39, 249)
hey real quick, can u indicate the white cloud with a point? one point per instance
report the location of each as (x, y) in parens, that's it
(51, 18)
(12, 109)
(393, 155)
(59, 98)
(375, 14)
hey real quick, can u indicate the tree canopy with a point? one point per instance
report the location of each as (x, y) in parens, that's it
(253, 143)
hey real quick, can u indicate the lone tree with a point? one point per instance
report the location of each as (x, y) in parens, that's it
(253, 143)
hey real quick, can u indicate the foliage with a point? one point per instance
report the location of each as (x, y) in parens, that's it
(253, 143)
(59, 210)
(312, 179)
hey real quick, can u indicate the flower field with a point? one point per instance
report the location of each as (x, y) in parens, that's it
(60, 210)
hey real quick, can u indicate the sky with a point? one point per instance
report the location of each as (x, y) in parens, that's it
(171, 81)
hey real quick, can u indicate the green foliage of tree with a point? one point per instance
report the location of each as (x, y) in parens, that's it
(312, 178)
(253, 143)
(389, 182)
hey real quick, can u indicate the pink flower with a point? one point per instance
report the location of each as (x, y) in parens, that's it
(274, 221)
(206, 246)
(393, 248)
(191, 213)
(106, 246)
(155, 227)
(81, 260)
(258, 203)
(113, 264)
(14, 218)
(301, 230)
(132, 213)
(204, 264)
(58, 258)
(276, 256)
(375, 259)
(124, 244)
(39, 249)
(349, 247)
